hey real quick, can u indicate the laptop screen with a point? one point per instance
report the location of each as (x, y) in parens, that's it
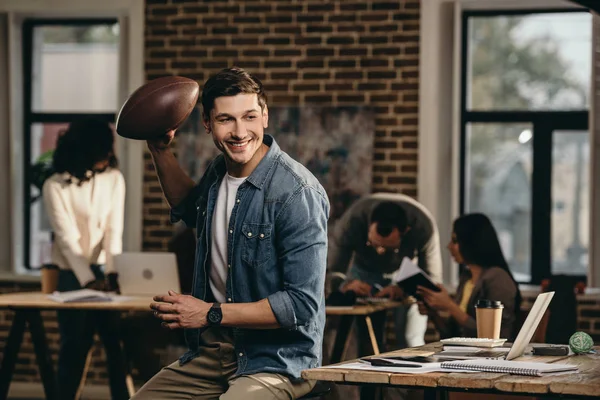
(530, 325)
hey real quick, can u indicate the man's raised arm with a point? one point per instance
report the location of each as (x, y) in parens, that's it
(175, 183)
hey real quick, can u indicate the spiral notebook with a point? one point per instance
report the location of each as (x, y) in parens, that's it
(508, 367)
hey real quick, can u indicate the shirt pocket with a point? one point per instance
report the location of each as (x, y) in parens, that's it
(256, 244)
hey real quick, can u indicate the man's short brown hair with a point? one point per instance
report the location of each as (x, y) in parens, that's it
(230, 82)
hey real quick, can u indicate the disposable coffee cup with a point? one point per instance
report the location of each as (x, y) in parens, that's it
(49, 279)
(489, 318)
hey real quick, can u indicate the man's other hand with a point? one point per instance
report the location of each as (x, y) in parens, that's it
(392, 292)
(161, 143)
(180, 311)
(362, 289)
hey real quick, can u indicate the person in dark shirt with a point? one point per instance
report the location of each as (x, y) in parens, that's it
(369, 243)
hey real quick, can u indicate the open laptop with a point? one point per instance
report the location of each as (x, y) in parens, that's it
(147, 273)
(521, 342)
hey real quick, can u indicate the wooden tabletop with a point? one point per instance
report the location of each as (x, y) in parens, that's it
(585, 382)
(362, 309)
(41, 301)
(135, 303)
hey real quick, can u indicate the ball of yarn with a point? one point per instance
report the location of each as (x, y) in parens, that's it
(581, 342)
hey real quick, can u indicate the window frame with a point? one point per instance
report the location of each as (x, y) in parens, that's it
(30, 117)
(543, 123)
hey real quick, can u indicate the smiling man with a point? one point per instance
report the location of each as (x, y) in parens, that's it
(369, 242)
(256, 315)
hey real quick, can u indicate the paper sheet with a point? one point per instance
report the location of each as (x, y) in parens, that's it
(408, 269)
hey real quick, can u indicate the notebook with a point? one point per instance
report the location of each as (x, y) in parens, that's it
(508, 367)
(410, 276)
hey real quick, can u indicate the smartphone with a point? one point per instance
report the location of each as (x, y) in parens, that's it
(382, 362)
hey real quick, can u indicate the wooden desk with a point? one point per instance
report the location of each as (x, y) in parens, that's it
(27, 308)
(582, 384)
(358, 313)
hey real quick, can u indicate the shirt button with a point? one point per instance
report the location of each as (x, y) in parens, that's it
(241, 354)
(197, 208)
(249, 234)
(229, 299)
(231, 231)
(228, 265)
(238, 200)
(262, 235)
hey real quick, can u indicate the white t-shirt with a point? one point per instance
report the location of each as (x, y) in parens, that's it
(220, 225)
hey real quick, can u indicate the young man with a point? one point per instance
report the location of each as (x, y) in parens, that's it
(377, 232)
(256, 315)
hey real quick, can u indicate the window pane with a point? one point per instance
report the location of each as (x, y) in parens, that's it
(498, 183)
(75, 68)
(570, 202)
(43, 141)
(529, 62)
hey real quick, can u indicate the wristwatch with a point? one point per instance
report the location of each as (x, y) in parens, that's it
(215, 315)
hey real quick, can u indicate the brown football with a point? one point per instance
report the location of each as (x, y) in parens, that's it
(157, 107)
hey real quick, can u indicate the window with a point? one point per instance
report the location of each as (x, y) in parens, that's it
(71, 71)
(524, 135)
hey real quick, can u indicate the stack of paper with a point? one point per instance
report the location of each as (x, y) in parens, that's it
(83, 295)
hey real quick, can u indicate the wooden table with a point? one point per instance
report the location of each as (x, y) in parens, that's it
(359, 313)
(582, 384)
(27, 308)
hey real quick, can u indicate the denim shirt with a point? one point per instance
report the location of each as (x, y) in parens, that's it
(277, 249)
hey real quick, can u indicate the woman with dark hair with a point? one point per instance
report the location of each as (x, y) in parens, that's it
(85, 199)
(475, 244)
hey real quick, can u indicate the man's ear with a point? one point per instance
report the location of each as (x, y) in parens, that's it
(265, 116)
(206, 123)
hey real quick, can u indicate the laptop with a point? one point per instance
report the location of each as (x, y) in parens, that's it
(147, 273)
(521, 342)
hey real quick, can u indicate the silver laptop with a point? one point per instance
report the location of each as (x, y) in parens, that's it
(147, 273)
(521, 342)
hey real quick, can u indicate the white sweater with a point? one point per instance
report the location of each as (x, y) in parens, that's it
(87, 221)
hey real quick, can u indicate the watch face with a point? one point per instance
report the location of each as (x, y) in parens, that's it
(214, 317)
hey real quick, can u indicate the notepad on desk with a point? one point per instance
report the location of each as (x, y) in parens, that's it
(83, 295)
(508, 367)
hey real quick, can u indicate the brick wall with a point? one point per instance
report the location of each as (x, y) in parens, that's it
(344, 52)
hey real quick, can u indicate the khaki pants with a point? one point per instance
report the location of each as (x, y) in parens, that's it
(210, 376)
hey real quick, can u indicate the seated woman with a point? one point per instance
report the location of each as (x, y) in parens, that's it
(487, 276)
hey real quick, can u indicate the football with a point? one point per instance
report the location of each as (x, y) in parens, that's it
(157, 107)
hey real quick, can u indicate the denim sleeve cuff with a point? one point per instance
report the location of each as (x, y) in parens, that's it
(282, 307)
